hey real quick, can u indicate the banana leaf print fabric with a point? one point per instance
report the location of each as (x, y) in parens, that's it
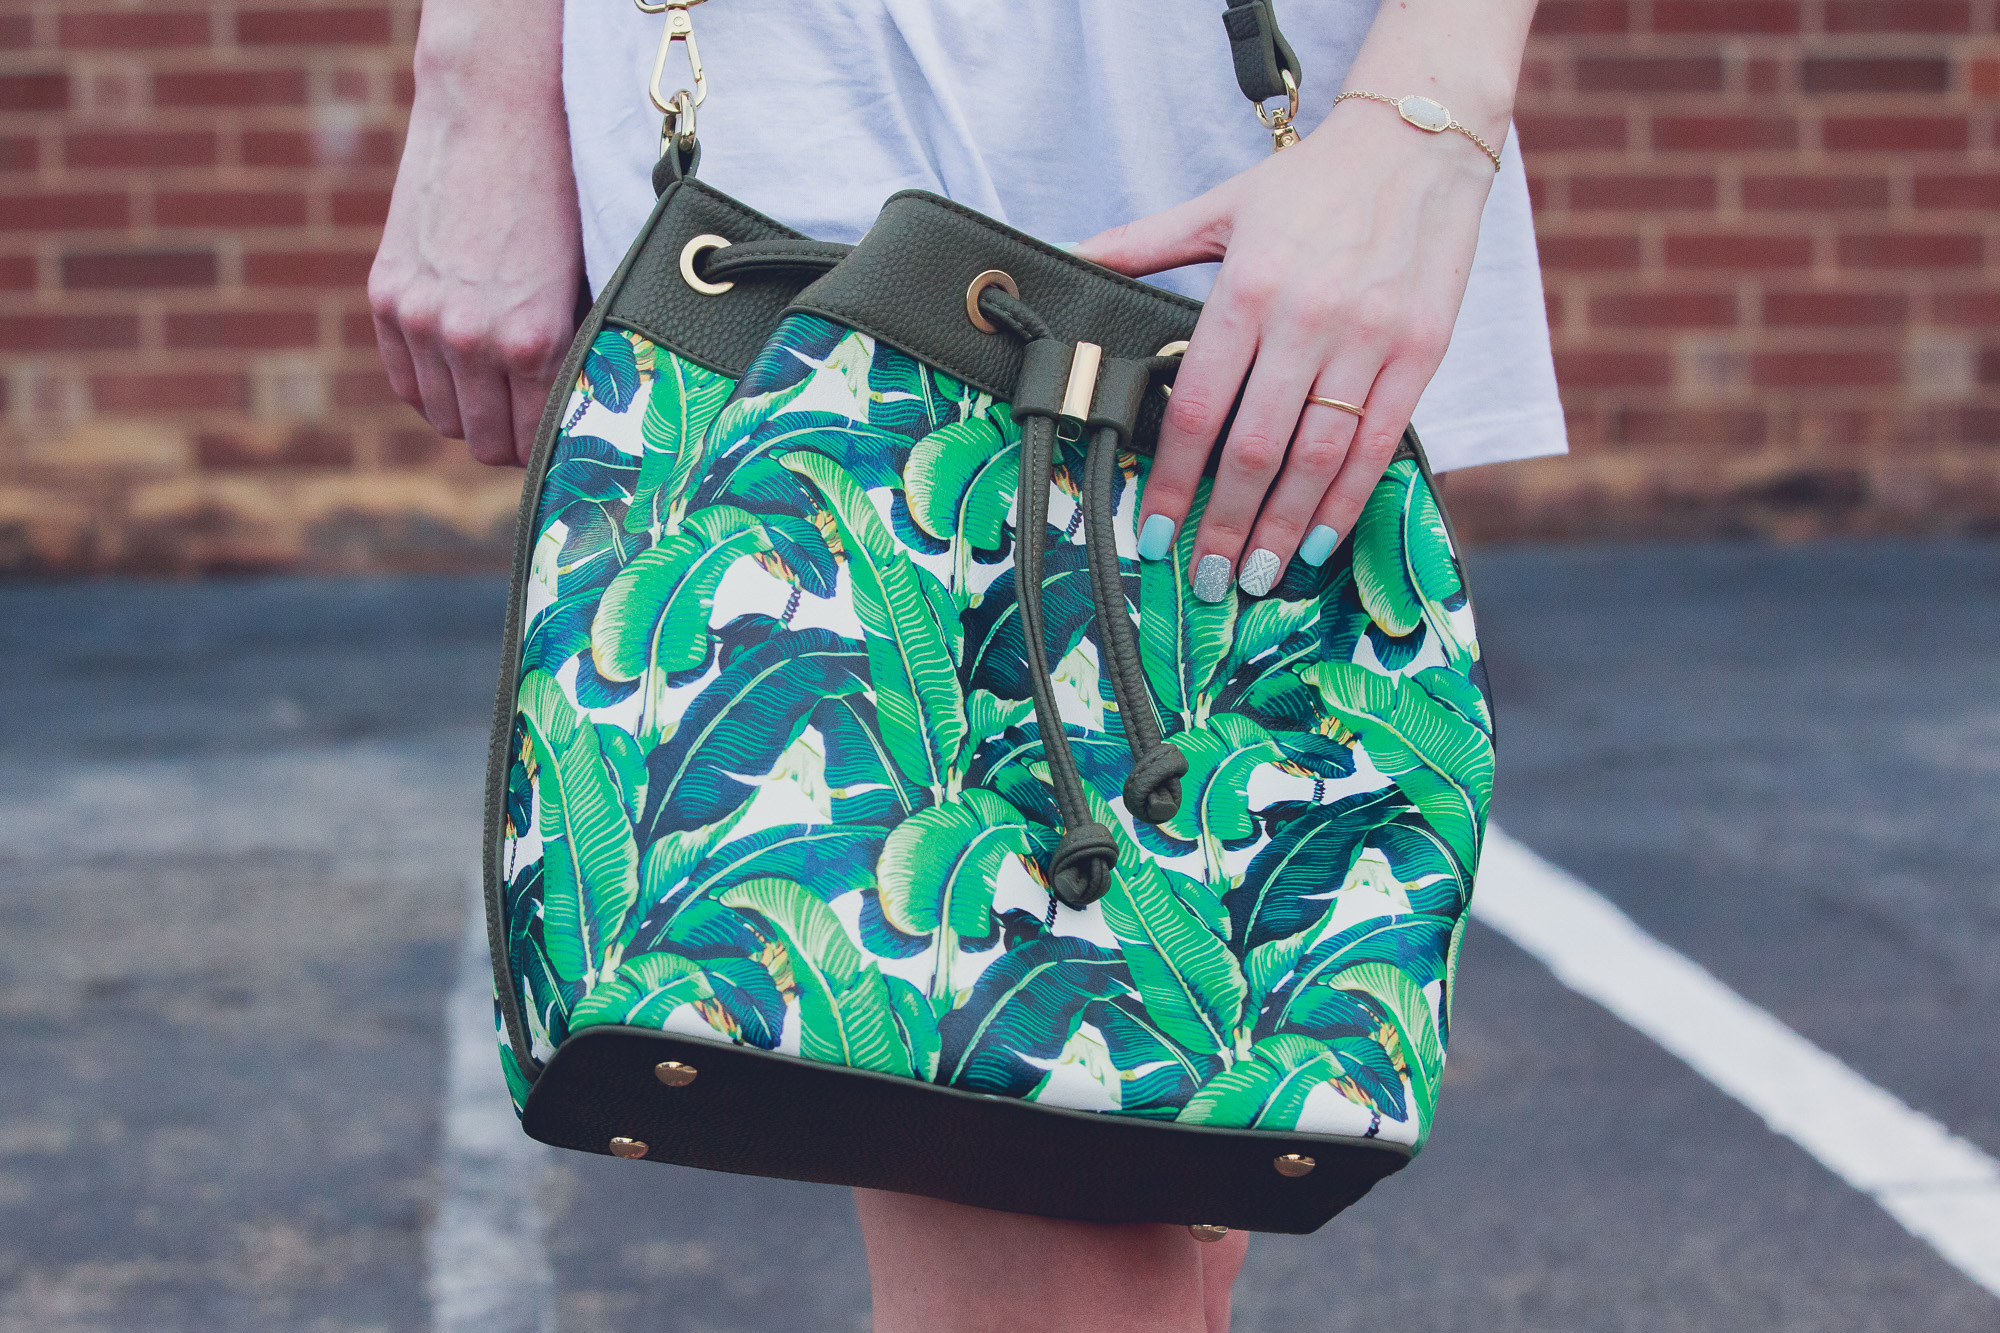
(776, 778)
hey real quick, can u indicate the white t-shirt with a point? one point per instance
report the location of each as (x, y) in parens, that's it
(1058, 117)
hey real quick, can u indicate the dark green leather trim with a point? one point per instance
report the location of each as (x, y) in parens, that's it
(1259, 51)
(721, 332)
(758, 261)
(684, 210)
(763, 1114)
(905, 284)
(498, 758)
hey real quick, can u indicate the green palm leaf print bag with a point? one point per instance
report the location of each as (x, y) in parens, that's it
(862, 810)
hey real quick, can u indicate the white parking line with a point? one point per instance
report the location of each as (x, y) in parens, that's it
(489, 1267)
(488, 1246)
(1944, 1190)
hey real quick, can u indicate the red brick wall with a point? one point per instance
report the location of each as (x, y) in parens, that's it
(190, 195)
(1769, 240)
(1768, 227)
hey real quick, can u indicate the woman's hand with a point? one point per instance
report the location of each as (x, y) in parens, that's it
(1344, 259)
(474, 287)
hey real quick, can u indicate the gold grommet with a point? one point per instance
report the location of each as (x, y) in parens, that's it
(631, 1149)
(692, 251)
(1207, 1232)
(1294, 1165)
(992, 277)
(1171, 349)
(673, 1073)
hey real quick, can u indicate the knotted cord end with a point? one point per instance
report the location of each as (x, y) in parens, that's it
(1080, 871)
(1153, 792)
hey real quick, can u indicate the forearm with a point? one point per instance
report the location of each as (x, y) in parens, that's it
(480, 46)
(475, 282)
(489, 82)
(1465, 54)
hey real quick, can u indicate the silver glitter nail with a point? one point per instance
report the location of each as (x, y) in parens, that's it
(1260, 572)
(1211, 578)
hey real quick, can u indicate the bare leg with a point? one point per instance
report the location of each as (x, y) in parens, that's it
(1220, 1262)
(943, 1268)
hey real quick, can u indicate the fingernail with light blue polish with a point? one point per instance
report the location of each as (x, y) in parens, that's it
(1318, 545)
(1211, 578)
(1156, 538)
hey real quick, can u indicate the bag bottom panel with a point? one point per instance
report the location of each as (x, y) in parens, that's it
(757, 1113)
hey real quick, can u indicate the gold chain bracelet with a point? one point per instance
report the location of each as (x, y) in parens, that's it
(1427, 116)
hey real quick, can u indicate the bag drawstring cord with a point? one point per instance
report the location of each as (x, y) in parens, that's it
(1080, 869)
(1108, 408)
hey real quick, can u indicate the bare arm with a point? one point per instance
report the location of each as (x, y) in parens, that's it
(474, 286)
(1344, 260)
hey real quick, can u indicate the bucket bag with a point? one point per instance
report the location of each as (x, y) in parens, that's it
(862, 810)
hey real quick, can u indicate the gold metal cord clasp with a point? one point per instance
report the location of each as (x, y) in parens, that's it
(1071, 418)
(678, 128)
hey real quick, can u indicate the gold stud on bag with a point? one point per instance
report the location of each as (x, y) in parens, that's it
(860, 809)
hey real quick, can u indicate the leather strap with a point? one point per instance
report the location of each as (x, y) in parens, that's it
(750, 259)
(1080, 869)
(1262, 55)
(906, 281)
(1153, 790)
(676, 164)
(1257, 48)
(723, 333)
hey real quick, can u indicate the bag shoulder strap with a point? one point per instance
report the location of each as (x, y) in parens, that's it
(1263, 57)
(1266, 65)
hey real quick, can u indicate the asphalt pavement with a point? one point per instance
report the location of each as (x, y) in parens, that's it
(237, 819)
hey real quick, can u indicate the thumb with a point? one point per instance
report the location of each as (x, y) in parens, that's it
(1196, 232)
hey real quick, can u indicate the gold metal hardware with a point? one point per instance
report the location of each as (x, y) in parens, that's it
(630, 1149)
(1283, 133)
(1172, 349)
(1294, 1165)
(694, 250)
(677, 127)
(1082, 387)
(677, 130)
(1337, 405)
(1207, 1232)
(992, 277)
(1426, 114)
(677, 1075)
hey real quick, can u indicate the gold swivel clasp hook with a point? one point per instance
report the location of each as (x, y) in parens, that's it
(1283, 133)
(677, 130)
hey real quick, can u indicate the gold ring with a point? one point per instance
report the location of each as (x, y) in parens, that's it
(1172, 349)
(694, 250)
(1335, 404)
(992, 277)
